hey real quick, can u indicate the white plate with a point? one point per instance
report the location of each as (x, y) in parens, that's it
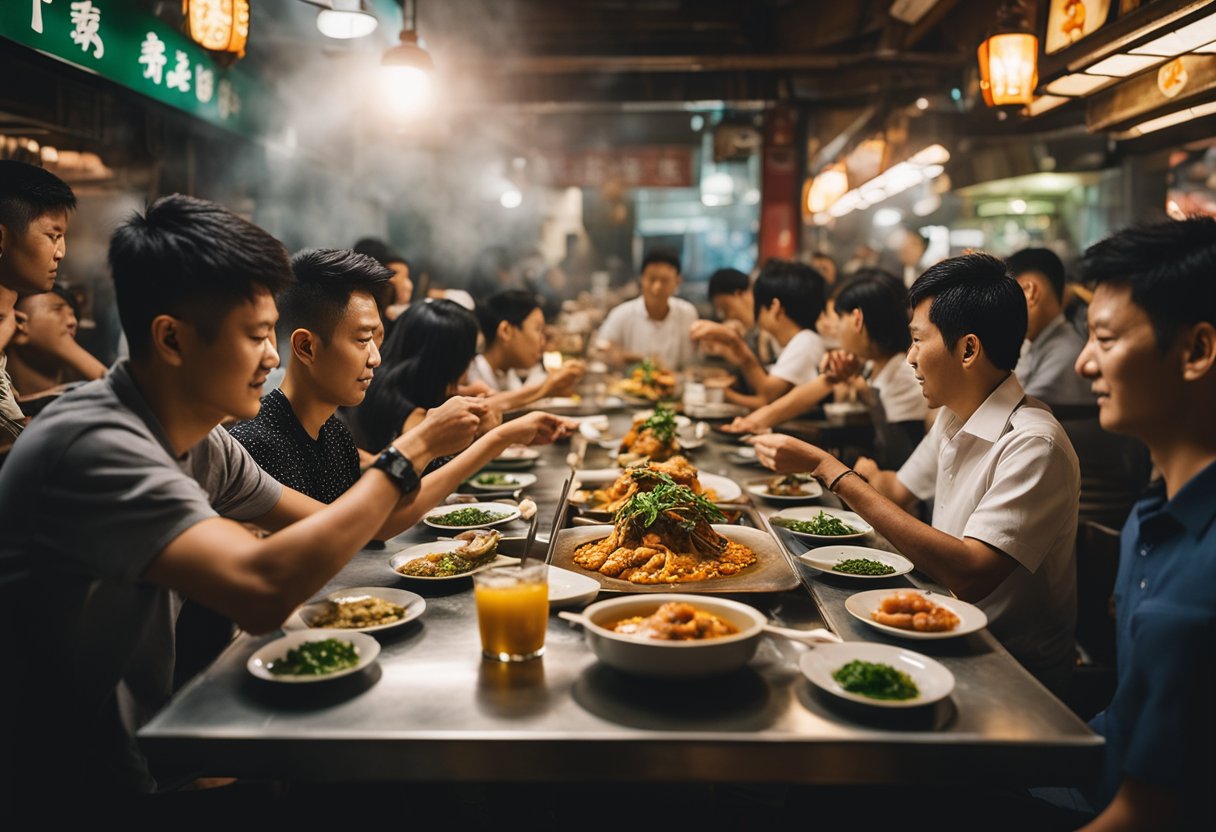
(515, 481)
(414, 605)
(742, 456)
(931, 678)
(727, 489)
(417, 551)
(971, 617)
(518, 452)
(259, 663)
(570, 589)
(511, 511)
(810, 512)
(593, 428)
(826, 557)
(682, 421)
(812, 488)
(715, 410)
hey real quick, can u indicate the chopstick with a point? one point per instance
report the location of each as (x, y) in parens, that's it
(557, 516)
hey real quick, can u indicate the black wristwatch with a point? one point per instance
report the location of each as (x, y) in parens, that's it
(399, 469)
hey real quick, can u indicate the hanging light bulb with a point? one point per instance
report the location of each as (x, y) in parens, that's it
(1009, 58)
(346, 19)
(406, 69)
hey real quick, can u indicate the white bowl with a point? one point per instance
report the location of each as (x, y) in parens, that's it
(670, 659)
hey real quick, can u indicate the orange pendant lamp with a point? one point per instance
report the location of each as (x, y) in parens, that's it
(1009, 58)
(218, 25)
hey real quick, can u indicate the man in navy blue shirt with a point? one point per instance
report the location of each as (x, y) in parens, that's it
(1151, 360)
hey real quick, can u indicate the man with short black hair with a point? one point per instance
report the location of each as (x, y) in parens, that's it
(1000, 469)
(788, 298)
(1045, 369)
(154, 489)
(654, 324)
(1151, 360)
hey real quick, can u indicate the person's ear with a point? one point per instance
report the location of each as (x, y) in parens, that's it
(970, 350)
(1030, 288)
(1199, 354)
(166, 339)
(504, 331)
(304, 345)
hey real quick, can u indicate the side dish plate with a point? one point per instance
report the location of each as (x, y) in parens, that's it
(259, 663)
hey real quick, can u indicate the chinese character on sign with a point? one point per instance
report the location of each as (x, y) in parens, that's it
(36, 16)
(178, 78)
(152, 56)
(204, 83)
(229, 101)
(87, 20)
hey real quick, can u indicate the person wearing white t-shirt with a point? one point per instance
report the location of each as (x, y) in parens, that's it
(654, 325)
(1001, 472)
(513, 328)
(789, 298)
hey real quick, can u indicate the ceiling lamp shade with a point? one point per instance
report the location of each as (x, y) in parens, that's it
(218, 25)
(1009, 59)
(408, 54)
(346, 19)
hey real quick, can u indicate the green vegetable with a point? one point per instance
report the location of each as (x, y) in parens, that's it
(821, 523)
(876, 680)
(667, 498)
(443, 565)
(496, 479)
(316, 658)
(648, 368)
(662, 423)
(468, 516)
(863, 566)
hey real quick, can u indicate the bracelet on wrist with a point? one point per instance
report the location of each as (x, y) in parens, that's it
(842, 475)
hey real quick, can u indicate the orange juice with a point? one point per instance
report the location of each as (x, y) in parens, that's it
(512, 611)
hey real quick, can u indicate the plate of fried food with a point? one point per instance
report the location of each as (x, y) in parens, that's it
(820, 523)
(787, 488)
(856, 562)
(604, 490)
(652, 437)
(446, 560)
(876, 674)
(916, 613)
(364, 609)
(647, 381)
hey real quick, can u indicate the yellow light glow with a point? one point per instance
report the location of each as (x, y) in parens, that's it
(830, 185)
(1009, 69)
(218, 25)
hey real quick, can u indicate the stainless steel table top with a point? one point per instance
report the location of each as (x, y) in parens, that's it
(431, 709)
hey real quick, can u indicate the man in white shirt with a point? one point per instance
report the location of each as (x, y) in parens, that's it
(655, 324)
(789, 298)
(1000, 469)
(1045, 369)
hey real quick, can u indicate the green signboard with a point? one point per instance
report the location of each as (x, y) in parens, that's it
(119, 40)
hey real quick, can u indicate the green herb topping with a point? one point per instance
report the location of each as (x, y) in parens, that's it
(822, 523)
(317, 658)
(662, 424)
(468, 516)
(492, 478)
(876, 680)
(863, 566)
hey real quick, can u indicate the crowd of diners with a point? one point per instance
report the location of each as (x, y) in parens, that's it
(175, 476)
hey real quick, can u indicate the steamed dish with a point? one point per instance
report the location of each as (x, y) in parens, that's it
(653, 439)
(665, 535)
(913, 611)
(676, 621)
(642, 477)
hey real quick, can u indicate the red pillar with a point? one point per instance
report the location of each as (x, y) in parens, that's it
(779, 188)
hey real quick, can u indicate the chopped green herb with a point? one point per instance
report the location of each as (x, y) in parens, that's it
(662, 424)
(492, 478)
(822, 523)
(317, 658)
(863, 566)
(468, 516)
(876, 680)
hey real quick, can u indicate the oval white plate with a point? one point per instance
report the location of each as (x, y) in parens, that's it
(727, 489)
(931, 678)
(414, 605)
(417, 551)
(760, 488)
(519, 480)
(826, 557)
(259, 663)
(682, 421)
(810, 512)
(570, 589)
(511, 511)
(516, 452)
(971, 617)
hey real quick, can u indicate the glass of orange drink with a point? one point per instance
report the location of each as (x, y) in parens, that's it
(513, 611)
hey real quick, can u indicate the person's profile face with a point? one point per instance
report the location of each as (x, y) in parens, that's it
(403, 286)
(659, 282)
(528, 341)
(31, 257)
(1137, 383)
(735, 306)
(344, 365)
(937, 368)
(49, 319)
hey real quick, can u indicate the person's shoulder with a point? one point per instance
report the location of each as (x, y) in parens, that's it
(685, 306)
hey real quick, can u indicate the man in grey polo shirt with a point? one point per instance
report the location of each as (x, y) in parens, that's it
(1045, 368)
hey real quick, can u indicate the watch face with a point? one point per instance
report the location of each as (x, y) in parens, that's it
(397, 466)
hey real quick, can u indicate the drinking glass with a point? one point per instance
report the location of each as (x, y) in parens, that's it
(513, 611)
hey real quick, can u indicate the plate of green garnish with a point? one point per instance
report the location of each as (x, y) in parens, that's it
(501, 480)
(313, 656)
(464, 516)
(822, 523)
(877, 674)
(856, 562)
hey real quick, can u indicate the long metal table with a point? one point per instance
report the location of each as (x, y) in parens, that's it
(430, 709)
